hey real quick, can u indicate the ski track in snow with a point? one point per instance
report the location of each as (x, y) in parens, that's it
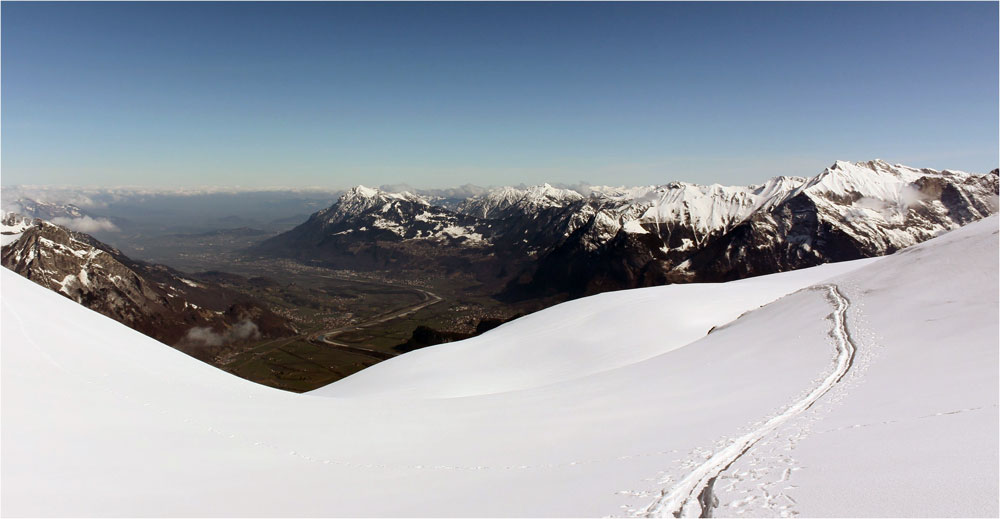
(693, 495)
(705, 474)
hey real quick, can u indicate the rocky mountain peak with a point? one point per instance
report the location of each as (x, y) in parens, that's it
(360, 191)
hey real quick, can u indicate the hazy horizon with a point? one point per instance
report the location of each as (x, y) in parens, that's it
(209, 189)
(438, 95)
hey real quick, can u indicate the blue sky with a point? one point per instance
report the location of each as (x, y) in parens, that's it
(441, 94)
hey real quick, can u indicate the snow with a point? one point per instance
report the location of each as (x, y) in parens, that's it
(12, 226)
(8, 238)
(886, 195)
(455, 231)
(874, 196)
(363, 191)
(596, 407)
(82, 276)
(426, 217)
(708, 209)
(873, 202)
(880, 183)
(926, 403)
(633, 227)
(360, 199)
(445, 229)
(493, 203)
(388, 225)
(67, 283)
(684, 498)
(593, 329)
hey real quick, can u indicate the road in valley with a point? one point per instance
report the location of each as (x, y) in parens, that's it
(326, 336)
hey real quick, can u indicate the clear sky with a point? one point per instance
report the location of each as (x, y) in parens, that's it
(441, 94)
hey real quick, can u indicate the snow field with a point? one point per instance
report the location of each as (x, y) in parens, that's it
(592, 408)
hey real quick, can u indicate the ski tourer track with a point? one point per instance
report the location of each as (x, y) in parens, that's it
(693, 495)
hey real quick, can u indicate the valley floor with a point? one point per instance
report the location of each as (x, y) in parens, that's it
(870, 389)
(369, 315)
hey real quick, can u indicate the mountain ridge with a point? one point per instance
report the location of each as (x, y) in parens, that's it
(542, 240)
(196, 317)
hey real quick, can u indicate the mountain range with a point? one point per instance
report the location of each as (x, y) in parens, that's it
(544, 240)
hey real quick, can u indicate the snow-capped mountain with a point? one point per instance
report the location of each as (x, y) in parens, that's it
(371, 228)
(507, 201)
(682, 232)
(851, 210)
(546, 240)
(45, 210)
(876, 378)
(152, 299)
(66, 214)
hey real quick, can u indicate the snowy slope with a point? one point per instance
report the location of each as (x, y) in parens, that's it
(99, 420)
(923, 395)
(578, 338)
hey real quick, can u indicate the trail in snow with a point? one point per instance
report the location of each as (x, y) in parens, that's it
(693, 495)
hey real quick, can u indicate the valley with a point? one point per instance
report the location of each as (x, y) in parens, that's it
(277, 322)
(345, 321)
(379, 273)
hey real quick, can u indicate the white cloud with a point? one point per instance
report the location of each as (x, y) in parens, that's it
(245, 329)
(85, 224)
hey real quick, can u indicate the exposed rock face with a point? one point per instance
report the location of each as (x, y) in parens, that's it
(548, 241)
(196, 316)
